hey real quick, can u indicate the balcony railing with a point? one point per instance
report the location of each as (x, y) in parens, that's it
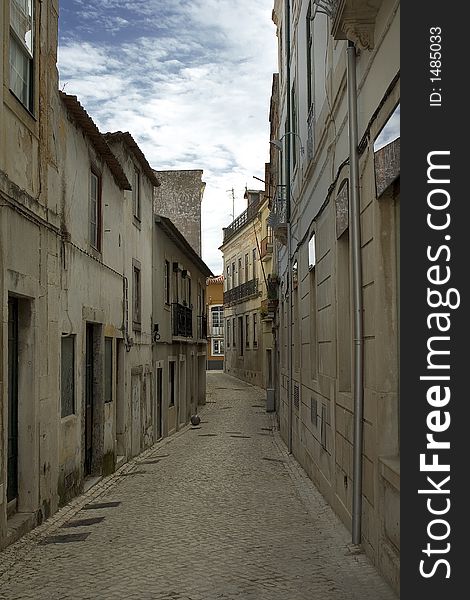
(216, 330)
(248, 215)
(182, 320)
(241, 292)
(266, 246)
(202, 327)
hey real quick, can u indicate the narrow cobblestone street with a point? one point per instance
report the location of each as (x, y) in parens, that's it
(218, 511)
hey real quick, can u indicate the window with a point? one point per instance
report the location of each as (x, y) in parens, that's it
(247, 273)
(309, 32)
(294, 124)
(136, 193)
(240, 333)
(136, 295)
(217, 316)
(228, 333)
(234, 336)
(171, 383)
(239, 271)
(67, 376)
(22, 50)
(311, 252)
(95, 211)
(255, 330)
(217, 347)
(166, 282)
(233, 275)
(228, 277)
(247, 330)
(254, 262)
(108, 369)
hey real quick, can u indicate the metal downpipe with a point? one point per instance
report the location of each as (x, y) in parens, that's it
(357, 296)
(289, 240)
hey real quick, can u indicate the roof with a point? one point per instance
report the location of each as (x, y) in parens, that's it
(127, 139)
(86, 123)
(213, 280)
(174, 234)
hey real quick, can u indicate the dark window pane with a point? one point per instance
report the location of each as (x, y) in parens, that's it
(68, 376)
(108, 370)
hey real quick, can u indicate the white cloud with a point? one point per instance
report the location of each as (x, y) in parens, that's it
(192, 86)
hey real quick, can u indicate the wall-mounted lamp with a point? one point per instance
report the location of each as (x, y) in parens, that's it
(278, 143)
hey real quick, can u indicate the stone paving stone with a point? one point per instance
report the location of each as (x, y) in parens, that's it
(216, 517)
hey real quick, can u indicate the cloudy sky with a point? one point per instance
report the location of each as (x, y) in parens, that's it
(189, 79)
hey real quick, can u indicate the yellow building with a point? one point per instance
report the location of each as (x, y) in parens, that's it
(247, 251)
(215, 322)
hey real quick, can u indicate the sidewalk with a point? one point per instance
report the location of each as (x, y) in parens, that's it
(215, 512)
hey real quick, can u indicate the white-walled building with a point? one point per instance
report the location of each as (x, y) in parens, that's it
(319, 391)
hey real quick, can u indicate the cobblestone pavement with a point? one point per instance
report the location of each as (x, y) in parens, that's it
(216, 512)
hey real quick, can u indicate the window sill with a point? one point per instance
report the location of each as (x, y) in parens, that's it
(95, 253)
(19, 109)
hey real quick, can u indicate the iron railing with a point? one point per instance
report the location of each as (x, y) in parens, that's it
(182, 320)
(248, 215)
(241, 292)
(266, 246)
(216, 330)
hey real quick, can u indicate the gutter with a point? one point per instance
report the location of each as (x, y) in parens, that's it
(357, 296)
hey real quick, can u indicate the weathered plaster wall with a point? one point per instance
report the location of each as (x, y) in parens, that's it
(179, 198)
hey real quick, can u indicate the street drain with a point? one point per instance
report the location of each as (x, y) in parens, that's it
(84, 522)
(273, 459)
(161, 456)
(207, 434)
(266, 428)
(257, 406)
(193, 428)
(101, 505)
(241, 436)
(65, 539)
(133, 473)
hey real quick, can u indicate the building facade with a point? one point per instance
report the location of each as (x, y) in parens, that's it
(84, 384)
(215, 323)
(179, 198)
(30, 279)
(179, 327)
(337, 239)
(246, 253)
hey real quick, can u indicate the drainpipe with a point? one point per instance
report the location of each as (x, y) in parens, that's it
(289, 236)
(357, 294)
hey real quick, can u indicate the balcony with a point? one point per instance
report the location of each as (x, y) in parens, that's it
(354, 20)
(182, 320)
(216, 331)
(277, 219)
(246, 217)
(202, 327)
(242, 292)
(266, 247)
(268, 309)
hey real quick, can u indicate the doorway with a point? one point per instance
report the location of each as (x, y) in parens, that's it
(89, 398)
(159, 395)
(12, 460)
